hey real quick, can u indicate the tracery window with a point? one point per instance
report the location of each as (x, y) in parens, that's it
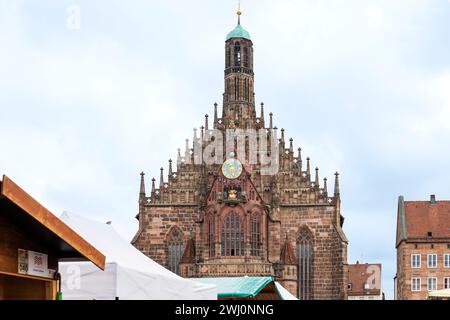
(255, 236)
(175, 249)
(232, 237)
(211, 244)
(305, 264)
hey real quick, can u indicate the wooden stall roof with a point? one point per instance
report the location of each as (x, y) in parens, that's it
(20, 207)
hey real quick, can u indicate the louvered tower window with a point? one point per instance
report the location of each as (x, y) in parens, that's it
(237, 54)
(246, 57)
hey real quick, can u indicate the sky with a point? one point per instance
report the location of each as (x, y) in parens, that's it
(363, 87)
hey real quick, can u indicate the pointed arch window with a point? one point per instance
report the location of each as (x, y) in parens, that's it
(228, 57)
(232, 237)
(175, 249)
(211, 244)
(237, 54)
(305, 264)
(255, 236)
(246, 57)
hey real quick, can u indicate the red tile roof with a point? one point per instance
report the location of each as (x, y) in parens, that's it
(361, 274)
(423, 217)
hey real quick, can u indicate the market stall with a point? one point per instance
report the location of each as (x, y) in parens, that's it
(248, 288)
(129, 274)
(33, 240)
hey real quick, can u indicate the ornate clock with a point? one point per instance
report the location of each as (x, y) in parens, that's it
(232, 168)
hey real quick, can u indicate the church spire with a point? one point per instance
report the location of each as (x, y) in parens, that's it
(206, 122)
(325, 187)
(239, 96)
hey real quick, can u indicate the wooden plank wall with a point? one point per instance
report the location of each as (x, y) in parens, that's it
(11, 239)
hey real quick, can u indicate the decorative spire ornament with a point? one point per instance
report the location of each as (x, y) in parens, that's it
(316, 182)
(308, 168)
(161, 178)
(271, 120)
(142, 188)
(336, 185)
(299, 161)
(170, 168)
(262, 112)
(215, 114)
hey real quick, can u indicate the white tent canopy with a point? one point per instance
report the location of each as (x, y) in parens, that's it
(129, 274)
(444, 294)
(284, 293)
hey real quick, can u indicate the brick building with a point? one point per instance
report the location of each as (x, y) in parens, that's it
(364, 281)
(423, 248)
(237, 217)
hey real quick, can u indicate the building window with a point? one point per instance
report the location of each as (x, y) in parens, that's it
(432, 260)
(232, 235)
(447, 283)
(175, 249)
(447, 260)
(246, 57)
(415, 260)
(349, 287)
(255, 236)
(431, 284)
(211, 244)
(305, 265)
(415, 284)
(228, 58)
(237, 54)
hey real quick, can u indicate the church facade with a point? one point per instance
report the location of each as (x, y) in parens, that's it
(224, 210)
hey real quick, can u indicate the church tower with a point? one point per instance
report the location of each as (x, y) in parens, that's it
(232, 218)
(239, 97)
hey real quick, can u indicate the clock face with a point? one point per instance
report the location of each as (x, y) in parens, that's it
(232, 168)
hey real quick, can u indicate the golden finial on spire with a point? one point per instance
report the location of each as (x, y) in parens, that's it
(239, 12)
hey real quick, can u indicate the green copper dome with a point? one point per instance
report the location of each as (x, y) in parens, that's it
(239, 32)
